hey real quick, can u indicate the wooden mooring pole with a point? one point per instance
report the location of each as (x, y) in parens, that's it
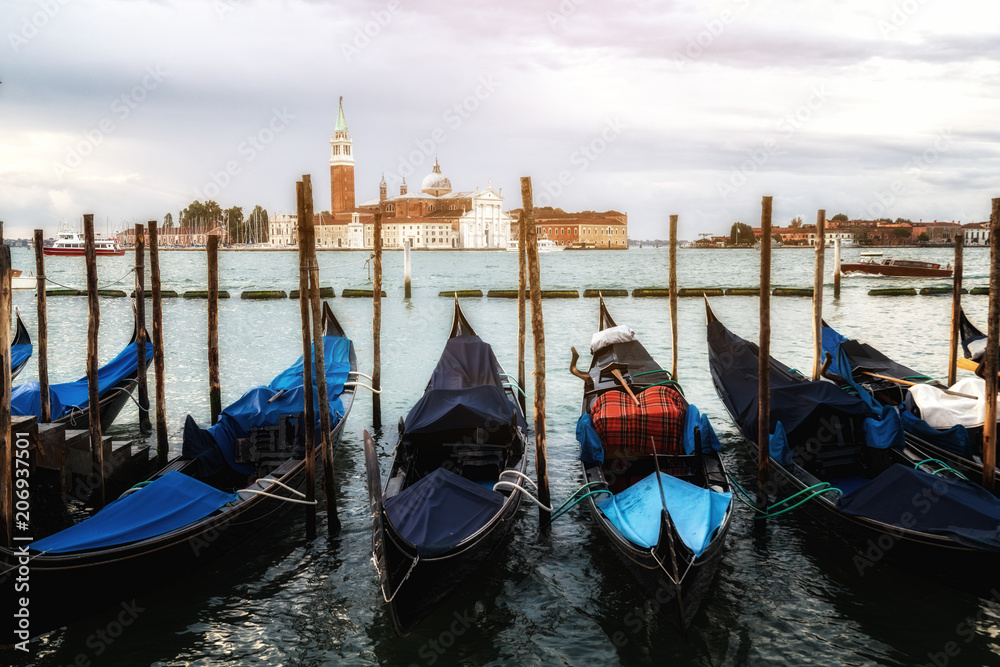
(93, 326)
(991, 361)
(43, 329)
(377, 322)
(214, 382)
(538, 332)
(522, 288)
(6, 441)
(329, 481)
(764, 365)
(406, 269)
(310, 419)
(818, 293)
(836, 269)
(956, 313)
(162, 446)
(673, 296)
(140, 323)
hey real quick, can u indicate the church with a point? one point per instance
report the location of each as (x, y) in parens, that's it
(435, 217)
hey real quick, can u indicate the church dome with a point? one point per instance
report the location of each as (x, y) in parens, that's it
(436, 183)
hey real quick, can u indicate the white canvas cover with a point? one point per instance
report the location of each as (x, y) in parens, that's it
(942, 410)
(619, 334)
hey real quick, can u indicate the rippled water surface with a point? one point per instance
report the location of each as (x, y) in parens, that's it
(789, 594)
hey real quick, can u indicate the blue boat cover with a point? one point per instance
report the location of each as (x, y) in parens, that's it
(26, 399)
(19, 354)
(591, 447)
(215, 447)
(908, 498)
(166, 504)
(465, 391)
(709, 440)
(441, 510)
(955, 439)
(778, 448)
(696, 512)
(801, 405)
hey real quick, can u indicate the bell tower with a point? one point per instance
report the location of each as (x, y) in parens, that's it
(341, 166)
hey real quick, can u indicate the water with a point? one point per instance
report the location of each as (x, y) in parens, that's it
(789, 595)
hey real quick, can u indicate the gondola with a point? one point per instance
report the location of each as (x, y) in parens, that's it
(229, 484)
(455, 483)
(881, 381)
(973, 342)
(20, 347)
(670, 535)
(834, 447)
(69, 401)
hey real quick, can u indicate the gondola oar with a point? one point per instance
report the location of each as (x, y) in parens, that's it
(618, 376)
(911, 384)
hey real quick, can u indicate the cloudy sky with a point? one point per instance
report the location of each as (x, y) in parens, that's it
(132, 109)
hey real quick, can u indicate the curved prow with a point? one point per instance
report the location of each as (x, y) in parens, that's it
(708, 312)
(572, 366)
(606, 321)
(460, 326)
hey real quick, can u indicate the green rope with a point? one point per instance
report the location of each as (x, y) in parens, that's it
(635, 375)
(800, 503)
(944, 466)
(558, 513)
(666, 382)
(820, 489)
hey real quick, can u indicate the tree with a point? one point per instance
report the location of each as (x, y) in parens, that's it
(796, 222)
(840, 217)
(741, 234)
(234, 224)
(902, 233)
(168, 220)
(923, 238)
(199, 215)
(903, 220)
(257, 222)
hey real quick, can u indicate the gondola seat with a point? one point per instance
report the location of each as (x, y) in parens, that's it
(627, 429)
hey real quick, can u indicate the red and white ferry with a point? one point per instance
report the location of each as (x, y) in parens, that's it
(71, 243)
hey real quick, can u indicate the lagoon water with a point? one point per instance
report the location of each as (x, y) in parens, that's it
(790, 594)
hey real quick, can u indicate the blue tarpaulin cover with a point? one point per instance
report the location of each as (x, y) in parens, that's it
(26, 399)
(801, 405)
(441, 510)
(709, 440)
(778, 446)
(955, 439)
(465, 391)
(215, 447)
(591, 448)
(696, 512)
(168, 503)
(909, 498)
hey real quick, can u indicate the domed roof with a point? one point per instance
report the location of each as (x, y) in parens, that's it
(436, 183)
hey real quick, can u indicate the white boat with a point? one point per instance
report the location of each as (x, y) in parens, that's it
(18, 281)
(71, 243)
(544, 245)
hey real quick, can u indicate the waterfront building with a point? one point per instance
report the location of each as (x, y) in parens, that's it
(177, 237)
(608, 229)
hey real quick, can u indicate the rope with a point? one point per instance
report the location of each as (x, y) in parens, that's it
(521, 475)
(944, 466)
(666, 382)
(514, 385)
(106, 285)
(408, 572)
(559, 512)
(816, 489)
(517, 487)
(276, 497)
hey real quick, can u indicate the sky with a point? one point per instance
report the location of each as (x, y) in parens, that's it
(131, 109)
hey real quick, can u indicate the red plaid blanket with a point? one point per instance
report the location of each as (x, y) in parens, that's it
(625, 428)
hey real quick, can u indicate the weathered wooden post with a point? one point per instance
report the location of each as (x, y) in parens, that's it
(93, 326)
(6, 441)
(522, 288)
(162, 446)
(214, 382)
(310, 418)
(329, 481)
(377, 321)
(406, 269)
(818, 293)
(991, 361)
(140, 321)
(763, 366)
(43, 329)
(538, 330)
(673, 295)
(956, 313)
(836, 269)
